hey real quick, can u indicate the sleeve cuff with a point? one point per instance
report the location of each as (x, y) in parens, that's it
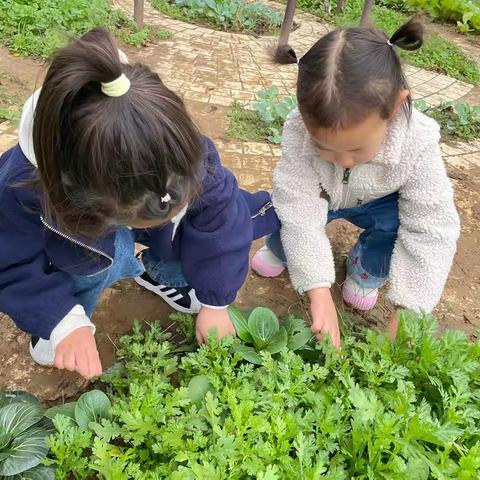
(75, 319)
(214, 307)
(306, 289)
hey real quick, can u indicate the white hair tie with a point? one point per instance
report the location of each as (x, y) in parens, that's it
(117, 87)
(389, 43)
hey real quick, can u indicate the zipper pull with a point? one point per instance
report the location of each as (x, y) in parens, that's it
(263, 211)
(346, 176)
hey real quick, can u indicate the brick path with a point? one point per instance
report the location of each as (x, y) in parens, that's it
(214, 68)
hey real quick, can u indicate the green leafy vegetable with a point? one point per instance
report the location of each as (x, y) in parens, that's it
(23, 432)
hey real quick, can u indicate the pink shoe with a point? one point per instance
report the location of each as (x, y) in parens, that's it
(266, 264)
(359, 297)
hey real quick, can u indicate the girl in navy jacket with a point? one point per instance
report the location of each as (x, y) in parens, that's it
(107, 157)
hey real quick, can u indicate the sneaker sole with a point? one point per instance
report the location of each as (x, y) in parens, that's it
(37, 361)
(358, 302)
(263, 270)
(172, 304)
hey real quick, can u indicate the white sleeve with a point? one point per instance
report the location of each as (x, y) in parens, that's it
(427, 236)
(303, 214)
(74, 320)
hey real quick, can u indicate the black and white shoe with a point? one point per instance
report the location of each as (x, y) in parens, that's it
(181, 299)
(42, 351)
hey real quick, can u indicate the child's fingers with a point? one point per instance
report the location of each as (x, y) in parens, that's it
(82, 364)
(69, 361)
(95, 364)
(58, 362)
(199, 337)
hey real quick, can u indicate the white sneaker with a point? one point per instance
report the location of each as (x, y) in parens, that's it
(42, 351)
(182, 299)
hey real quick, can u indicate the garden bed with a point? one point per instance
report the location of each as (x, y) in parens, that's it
(376, 408)
(41, 27)
(239, 16)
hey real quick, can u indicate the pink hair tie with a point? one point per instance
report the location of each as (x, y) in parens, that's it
(166, 198)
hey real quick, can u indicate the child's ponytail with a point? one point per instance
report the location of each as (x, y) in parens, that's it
(350, 73)
(113, 144)
(409, 36)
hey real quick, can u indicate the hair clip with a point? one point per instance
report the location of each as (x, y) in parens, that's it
(166, 198)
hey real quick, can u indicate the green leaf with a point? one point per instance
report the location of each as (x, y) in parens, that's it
(247, 353)
(40, 472)
(5, 439)
(240, 323)
(299, 340)
(91, 407)
(198, 388)
(17, 417)
(67, 409)
(278, 342)
(7, 398)
(263, 324)
(26, 451)
(294, 324)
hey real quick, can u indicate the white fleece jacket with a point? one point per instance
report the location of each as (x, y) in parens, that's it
(409, 161)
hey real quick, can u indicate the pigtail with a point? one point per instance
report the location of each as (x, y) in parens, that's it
(284, 55)
(409, 36)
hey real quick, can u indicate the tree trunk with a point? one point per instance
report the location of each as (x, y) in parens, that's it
(367, 7)
(138, 12)
(287, 22)
(340, 6)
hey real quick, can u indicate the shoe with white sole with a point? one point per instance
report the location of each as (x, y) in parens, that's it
(358, 296)
(42, 351)
(181, 299)
(266, 264)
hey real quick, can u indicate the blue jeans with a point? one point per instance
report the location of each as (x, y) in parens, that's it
(89, 288)
(369, 261)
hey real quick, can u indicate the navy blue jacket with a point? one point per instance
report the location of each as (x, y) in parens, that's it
(36, 260)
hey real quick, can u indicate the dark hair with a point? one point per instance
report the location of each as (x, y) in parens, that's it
(103, 160)
(350, 73)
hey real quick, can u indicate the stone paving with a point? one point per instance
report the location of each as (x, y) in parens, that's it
(213, 68)
(217, 67)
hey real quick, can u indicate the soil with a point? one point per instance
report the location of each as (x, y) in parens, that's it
(120, 305)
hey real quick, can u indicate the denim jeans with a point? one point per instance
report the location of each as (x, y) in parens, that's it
(369, 261)
(89, 288)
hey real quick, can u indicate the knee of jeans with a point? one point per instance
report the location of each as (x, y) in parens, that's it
(274, 243)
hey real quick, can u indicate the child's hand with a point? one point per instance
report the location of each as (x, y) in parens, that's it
(392, 327)
(324, 315)
(78, 352)
(210, 318)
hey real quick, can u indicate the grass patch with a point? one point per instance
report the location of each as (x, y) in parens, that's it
(265, 123)
(41, 27)
(437, 54)
(227, 15)
(246, 125)
(457, 120)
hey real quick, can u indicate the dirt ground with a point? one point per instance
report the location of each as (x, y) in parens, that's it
(459, 308)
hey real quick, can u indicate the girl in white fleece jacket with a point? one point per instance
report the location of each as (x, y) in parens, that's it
(357, 150)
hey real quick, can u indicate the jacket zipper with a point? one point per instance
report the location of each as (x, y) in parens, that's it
(263, 211)
(345, 180)
(81, 244)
